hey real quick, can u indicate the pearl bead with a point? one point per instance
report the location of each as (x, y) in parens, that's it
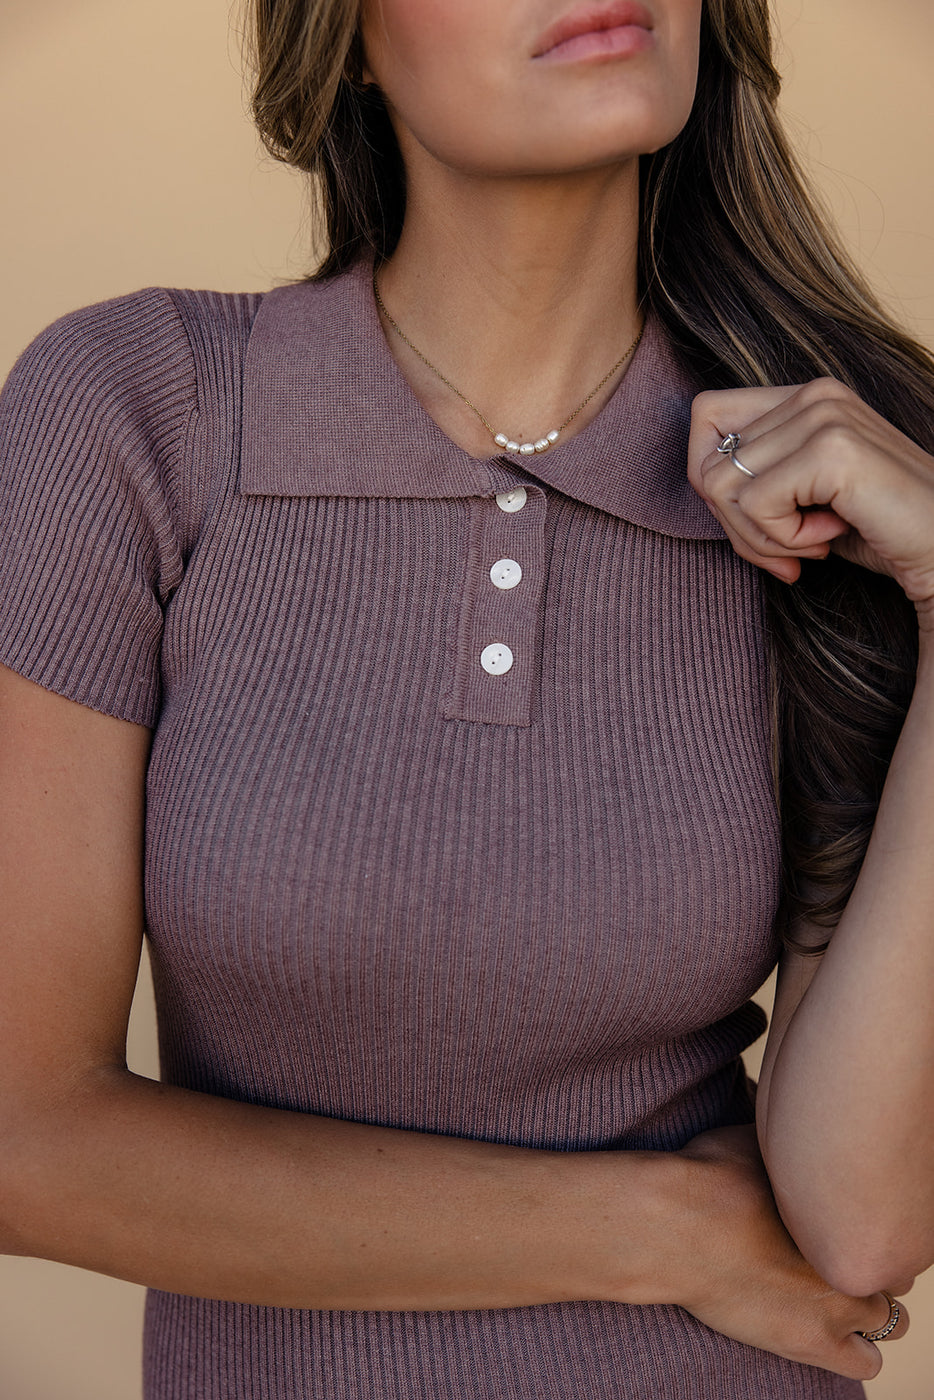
(527, 448)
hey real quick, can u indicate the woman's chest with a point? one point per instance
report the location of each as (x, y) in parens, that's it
(339, 814)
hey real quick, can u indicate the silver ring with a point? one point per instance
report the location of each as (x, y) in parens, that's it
(728, 448)
(739, 466)
(890, 1324)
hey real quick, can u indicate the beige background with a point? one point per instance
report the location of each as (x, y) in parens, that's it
(128, 161)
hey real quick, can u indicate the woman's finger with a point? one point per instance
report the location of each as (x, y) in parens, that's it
(854, 1354)
(716, 412)
(816, 467)
(882, 1309)
(778, 498)
(769, 540)
(756, 413)
(879, 1313)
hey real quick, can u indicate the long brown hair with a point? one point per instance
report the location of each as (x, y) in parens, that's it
(753, 287)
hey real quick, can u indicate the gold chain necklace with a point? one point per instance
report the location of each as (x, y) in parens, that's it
(503, 440)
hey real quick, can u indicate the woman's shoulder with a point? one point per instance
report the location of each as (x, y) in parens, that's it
(154, 339)
(99, 409)
(99, 498)
(120, 382)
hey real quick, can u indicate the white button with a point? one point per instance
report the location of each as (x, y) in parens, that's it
(496, 659)
(511, 501)
(506, 573)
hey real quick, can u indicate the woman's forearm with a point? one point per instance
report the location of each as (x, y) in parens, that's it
(847, 1126)
(200, 1195)
(217, 1198)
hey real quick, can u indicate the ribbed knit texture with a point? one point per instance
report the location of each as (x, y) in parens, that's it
(540, 928)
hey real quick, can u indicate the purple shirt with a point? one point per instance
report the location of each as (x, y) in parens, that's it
(521, 902)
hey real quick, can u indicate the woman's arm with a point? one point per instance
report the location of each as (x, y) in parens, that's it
(201, 1195)
(186, 1191)
(846, 1114)
(846, 1100)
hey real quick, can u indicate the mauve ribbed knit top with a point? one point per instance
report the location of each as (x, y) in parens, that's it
(384, 880)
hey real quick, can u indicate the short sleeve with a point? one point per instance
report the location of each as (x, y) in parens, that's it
(93, 422)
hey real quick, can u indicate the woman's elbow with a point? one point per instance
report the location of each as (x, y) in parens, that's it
(862, 1254)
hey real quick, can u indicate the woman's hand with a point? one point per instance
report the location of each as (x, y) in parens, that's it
(826, 472)
(745, 1277)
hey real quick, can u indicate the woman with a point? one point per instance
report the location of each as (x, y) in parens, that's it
(461, 855)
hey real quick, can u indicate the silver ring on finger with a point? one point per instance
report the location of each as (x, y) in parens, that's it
(728, 448)
(739, 466)
(890, 1324)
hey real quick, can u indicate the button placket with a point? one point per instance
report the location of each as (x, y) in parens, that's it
(495, 656)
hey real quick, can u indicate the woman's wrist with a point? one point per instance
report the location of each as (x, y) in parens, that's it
(628, 1222)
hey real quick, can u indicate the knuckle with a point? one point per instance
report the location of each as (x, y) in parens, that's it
(703, 404)
(716, 482)
(823, 1348)
(835, 434)
(768, 545)
(859, 1359)
(825, 413)
(826, 389)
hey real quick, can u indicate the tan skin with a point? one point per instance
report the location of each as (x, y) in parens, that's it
(505, 245)
(839, 1144)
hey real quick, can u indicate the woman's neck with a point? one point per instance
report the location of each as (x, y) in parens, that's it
(522, 293)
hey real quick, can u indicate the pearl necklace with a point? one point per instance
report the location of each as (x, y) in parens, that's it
(503, 440)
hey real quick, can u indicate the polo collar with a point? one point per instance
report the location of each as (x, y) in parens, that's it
(327, 412)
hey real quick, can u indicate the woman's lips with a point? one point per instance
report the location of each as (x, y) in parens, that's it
(597, 30)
